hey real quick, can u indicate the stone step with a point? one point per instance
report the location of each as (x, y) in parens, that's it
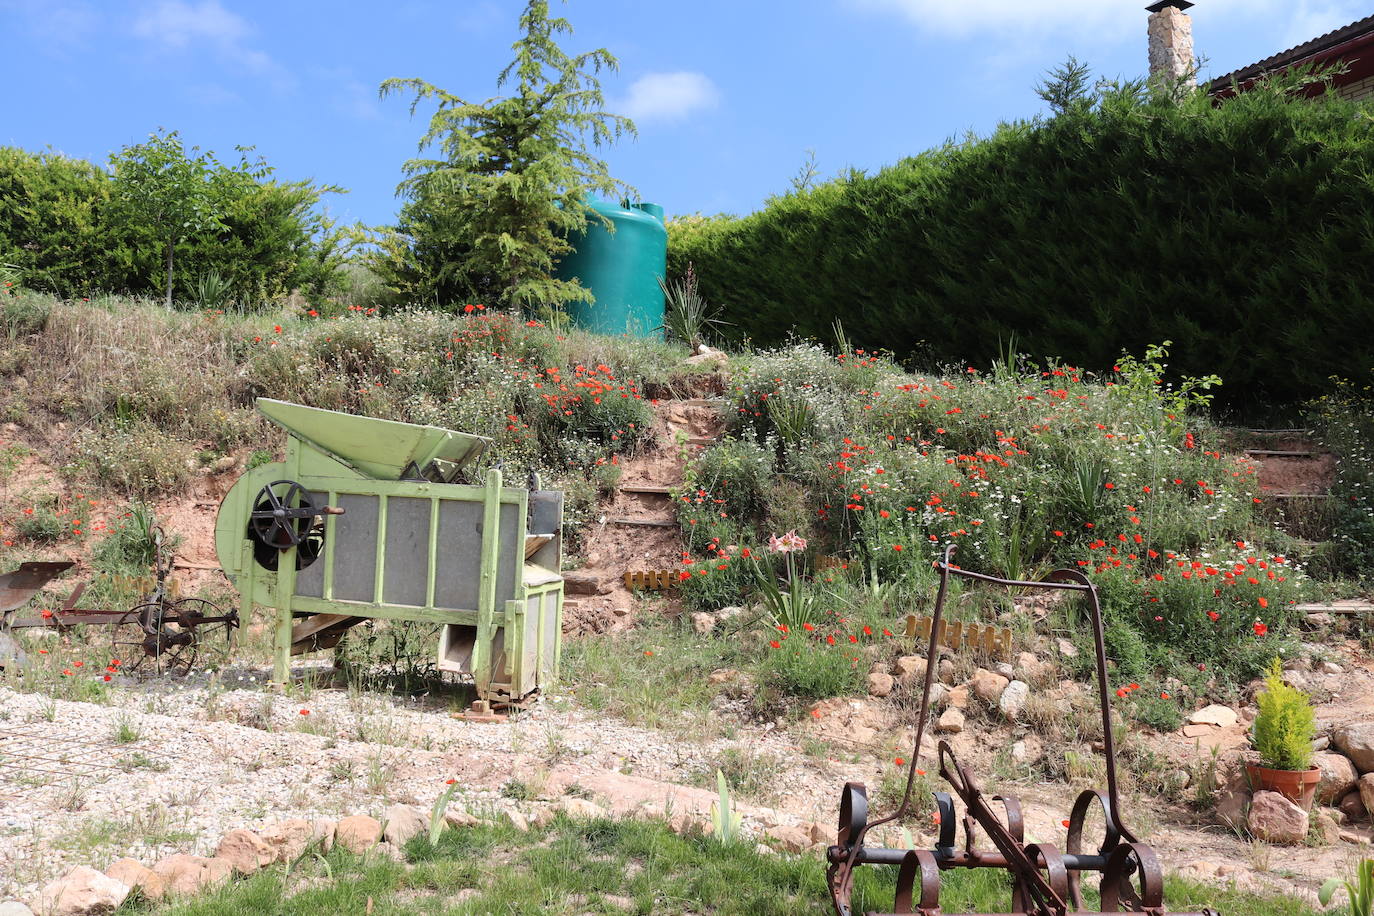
(1279, 453)
(644, 488)
(644, 522)
(1346, 607)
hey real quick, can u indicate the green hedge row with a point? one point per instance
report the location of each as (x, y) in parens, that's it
(60, 233)
(1243, 232)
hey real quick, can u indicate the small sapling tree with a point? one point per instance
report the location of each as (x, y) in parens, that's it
(489, 217)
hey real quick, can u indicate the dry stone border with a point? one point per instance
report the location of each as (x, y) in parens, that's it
(85, 891)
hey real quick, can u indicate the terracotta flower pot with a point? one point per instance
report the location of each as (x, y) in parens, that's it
(1298, 786)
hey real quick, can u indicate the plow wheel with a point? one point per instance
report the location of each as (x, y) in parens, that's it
(1133, 881)
(170, 637)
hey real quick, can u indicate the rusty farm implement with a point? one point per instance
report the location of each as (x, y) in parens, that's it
(162, 634)
(1046, 881)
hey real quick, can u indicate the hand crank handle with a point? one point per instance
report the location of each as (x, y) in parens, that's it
(332, 510)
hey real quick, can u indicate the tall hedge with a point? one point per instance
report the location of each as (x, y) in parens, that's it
(1242, 231)
(58, 228)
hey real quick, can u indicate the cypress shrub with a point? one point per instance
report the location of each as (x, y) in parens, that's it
(1240, 230)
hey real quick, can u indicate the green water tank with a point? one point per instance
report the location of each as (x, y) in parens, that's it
(621, 268)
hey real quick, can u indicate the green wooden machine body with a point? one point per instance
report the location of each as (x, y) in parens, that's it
(482, 560)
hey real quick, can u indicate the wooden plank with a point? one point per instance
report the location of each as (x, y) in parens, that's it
(647, 489)
(1352, 609)
(314, 624)
(645, 522)
(1279, 453)
(1300, 495)
(535, 541)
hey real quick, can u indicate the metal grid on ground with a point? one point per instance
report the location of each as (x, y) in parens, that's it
(44, 752)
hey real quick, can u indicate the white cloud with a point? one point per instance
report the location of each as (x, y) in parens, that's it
(175, 23)
(1311, 19)
(58, 26)
(962, 17)
(180, 24)
(669, 96)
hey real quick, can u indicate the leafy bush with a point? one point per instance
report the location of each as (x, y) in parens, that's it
(1344, 418)
(809, 669)
(1105, 228)
(1284, 725)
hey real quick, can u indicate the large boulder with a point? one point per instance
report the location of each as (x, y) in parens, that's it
(1338, 776)
(83, 891)
(987, 686)
(1356, 741)
(184, 874)
(358, 833)
(245, 851)
(138, 877)
(1275, 819)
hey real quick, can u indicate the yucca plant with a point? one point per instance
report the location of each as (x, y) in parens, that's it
(1360, 888)
(725, 820)
(213, 290)
(686, 315)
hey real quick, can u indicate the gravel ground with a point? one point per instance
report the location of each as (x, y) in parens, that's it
(164, 769)
(159, 771)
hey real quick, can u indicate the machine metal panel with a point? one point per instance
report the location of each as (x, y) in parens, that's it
(460, 554)
(310, 580)
(406, 565)
(355, 549)
(512, 552)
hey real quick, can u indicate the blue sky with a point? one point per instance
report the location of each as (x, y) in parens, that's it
(728, 94)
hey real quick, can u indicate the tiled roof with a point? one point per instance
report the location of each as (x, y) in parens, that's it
(1303, 51)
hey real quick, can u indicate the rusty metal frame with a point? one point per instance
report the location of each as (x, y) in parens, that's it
(154, 615)
(1046, 882)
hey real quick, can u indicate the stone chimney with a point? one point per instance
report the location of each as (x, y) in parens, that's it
(1171, 42)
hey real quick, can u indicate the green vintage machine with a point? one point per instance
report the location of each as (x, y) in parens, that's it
(366, 519)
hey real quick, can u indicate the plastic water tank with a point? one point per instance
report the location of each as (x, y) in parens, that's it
(620, 268)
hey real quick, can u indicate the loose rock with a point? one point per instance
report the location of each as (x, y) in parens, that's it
(1356, 741)
(358, 833)
(1013, 699)
(245, 851)
(137, 876)
(402, 823)
(83, 891)
(951, 722)
(1352, 806)
(14, 908)
(183, 874)
(1216, 714)
(880, 684)
(1338, 777)
(289, 839)
(1275, 819)
(987, 686)
(1366, 787)
(909, 669)
(704, 624)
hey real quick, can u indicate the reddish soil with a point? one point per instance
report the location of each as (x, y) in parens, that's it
(1279, 474)
(614, 547)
